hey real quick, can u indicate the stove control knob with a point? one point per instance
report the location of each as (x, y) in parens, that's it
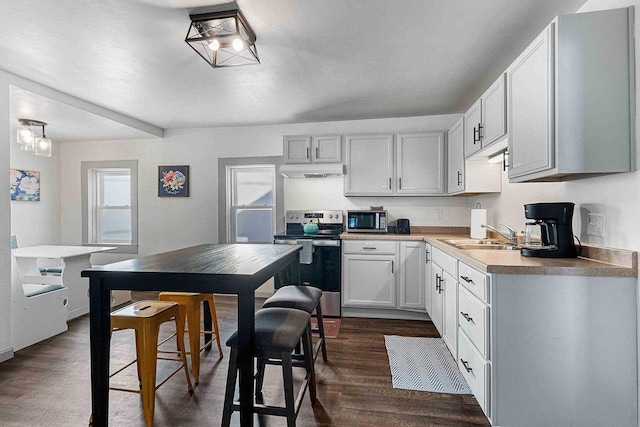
(330, 216)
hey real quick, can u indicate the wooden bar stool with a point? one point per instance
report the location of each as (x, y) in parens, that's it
(277, 333)
(306, 298)
(145, 317)
(191, 301)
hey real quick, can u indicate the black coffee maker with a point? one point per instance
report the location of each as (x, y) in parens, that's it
(556, 232)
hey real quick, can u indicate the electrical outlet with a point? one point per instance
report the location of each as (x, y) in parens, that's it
(439, 214)
(595, 227)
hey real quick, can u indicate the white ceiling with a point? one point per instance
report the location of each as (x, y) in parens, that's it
(320, 60)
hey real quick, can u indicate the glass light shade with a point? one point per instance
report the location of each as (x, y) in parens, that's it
(28, 146)
(43, 147)
(25, 135)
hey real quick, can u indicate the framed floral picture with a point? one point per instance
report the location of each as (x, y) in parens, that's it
(173, 181)
(25, 185)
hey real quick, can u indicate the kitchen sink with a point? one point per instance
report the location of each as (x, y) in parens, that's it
(470, 241)
(495, 247)
(484, 244)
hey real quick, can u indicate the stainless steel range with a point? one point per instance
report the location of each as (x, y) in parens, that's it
(320, 255)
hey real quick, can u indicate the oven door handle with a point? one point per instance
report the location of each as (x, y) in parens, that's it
(327, 242)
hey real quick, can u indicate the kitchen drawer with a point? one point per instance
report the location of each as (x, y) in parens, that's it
(473, 319)
(379, 247)
(476, 371)
(474, 280)
(445, 261)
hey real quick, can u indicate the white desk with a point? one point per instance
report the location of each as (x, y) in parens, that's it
(74, 258)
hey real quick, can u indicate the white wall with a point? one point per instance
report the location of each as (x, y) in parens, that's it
(37, 223)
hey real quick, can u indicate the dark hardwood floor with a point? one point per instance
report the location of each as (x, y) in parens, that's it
(48, 384)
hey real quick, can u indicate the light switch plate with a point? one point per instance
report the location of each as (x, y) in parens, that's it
(595, 227)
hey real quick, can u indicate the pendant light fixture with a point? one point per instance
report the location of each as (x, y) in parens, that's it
(222, 38)
(41, 146)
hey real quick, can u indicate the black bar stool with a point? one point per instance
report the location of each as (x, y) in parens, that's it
(277, 332)
(305, 298)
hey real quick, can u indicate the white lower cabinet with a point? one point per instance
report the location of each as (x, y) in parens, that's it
(412, 268)
(474, 333)
(450, 313)
(476, 371)
(369, 281)
(437, 297)
(383, 274)
(445, 297)
(427, 277)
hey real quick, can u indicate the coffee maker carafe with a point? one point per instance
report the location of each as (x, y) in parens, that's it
(556, 232)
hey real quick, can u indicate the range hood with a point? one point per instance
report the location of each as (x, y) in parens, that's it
(312, 170)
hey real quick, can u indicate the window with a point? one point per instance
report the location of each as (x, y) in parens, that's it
(110, 204)
(251, 197)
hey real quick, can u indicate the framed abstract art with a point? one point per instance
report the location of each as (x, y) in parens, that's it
(25, 185)
(173, 181)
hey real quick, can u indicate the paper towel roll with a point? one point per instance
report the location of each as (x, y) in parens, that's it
(478, 217)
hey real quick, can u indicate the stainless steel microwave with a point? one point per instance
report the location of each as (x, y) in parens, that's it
(367, 221)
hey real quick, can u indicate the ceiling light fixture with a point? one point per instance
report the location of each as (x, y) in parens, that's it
(41, 146)
(222, 38)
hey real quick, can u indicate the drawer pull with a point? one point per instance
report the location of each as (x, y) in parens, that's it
(369, 248)
(466, 365)
(466, 279)
(467, 317)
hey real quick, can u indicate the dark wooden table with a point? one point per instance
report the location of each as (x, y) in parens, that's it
(225, 269)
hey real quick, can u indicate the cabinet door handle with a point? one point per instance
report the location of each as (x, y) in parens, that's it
(317, 152)
(438, 283)
(369, 248)
(307, 152)
(459, 178)
(441, 289)
(480, 128)
(427, 256)
(466, 279)
(389, 183)
(392, 267)
(476, 138)
(466, 365)
(467, 317)
(400, 183)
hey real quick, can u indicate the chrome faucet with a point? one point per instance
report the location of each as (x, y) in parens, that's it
(511, 237)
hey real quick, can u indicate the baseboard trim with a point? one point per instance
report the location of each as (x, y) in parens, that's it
(6, 355)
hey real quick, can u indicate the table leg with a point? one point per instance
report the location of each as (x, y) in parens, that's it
(99, 325)
(246, 342)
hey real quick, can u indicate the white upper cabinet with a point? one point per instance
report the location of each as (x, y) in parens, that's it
(486, 119)
(369, 165)
(571, 99)
(404, 165)
(420, 161)
(312, 149)
(469, 176)
(455, 147)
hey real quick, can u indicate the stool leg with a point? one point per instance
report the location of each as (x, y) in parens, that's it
(231, 387)
(179, 319)
(260, 377)
(289, 399)
(138, 356)
(321, 330)
(147, 359)
(193, 319)
(308, 361)
(214, 317)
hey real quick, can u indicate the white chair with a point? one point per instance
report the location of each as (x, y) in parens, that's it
(38, 310)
